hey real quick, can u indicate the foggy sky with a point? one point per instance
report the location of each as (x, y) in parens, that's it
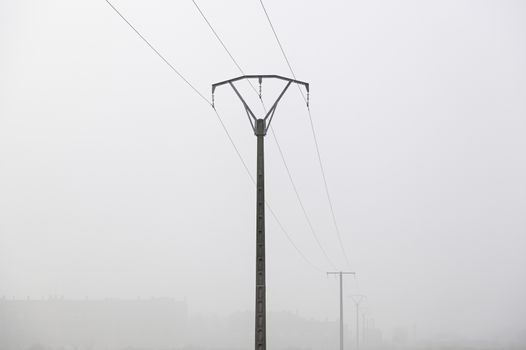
(116, 179)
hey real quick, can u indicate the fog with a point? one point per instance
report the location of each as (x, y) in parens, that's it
(120, 188)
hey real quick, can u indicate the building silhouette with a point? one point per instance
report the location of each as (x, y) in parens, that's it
(92, 324)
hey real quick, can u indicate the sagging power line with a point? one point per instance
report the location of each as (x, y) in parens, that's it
(225, 129)
(289, 174)
(241, 159)
(320, 162)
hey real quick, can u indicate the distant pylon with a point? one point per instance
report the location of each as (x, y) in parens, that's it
(358, 298)
(341, 273)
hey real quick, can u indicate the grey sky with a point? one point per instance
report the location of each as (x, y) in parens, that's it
(117, 180)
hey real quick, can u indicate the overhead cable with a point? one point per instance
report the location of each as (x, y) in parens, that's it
(331, 206)
(240, 157)
(309, 222)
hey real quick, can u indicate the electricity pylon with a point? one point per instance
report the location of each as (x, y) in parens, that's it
(364, 328)
(364, 312)
(260, 127)
(358, 298)
(341, 273)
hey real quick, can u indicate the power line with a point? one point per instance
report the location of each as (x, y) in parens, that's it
(234, 145)
(217, 37)
(280, 225)
(333, 215)
(226, 49)
(309, 222)
(331, 206)
(290, 239)
(279, 44)
(300, 201)
(240, 157)
(159, 54)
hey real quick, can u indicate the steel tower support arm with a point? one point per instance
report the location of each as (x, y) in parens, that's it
(272, 109)
(251, 116)
(260, 77)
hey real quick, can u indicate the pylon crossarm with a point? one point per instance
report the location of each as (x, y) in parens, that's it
(260, 77)
(260, 80)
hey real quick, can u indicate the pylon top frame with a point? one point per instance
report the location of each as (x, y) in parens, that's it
(270, 114)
